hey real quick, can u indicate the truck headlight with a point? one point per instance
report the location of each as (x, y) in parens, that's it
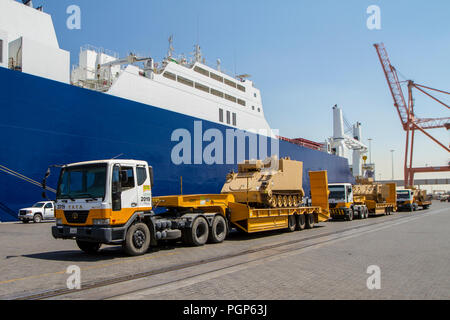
(101, 222)
(59, 222)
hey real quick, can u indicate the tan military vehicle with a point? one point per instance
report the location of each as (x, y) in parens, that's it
(270, 183)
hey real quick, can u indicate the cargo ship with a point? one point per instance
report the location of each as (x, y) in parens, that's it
(192, 122)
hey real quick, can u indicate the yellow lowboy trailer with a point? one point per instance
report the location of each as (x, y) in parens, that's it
(252, 220)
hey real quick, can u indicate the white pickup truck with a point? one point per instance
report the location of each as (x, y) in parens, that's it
(39, 212)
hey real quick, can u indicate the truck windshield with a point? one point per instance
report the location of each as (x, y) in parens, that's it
(403, 195)
(82, 182)
(337, 192)
(38, 205)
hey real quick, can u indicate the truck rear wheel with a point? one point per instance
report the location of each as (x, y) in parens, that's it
(89, 247)
(198, 234)
(309, 220)
(137, 240)
(218, 231)
(301, 223)
(292, 223)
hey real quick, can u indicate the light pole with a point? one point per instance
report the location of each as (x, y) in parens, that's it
(370, 150)
(392, 153)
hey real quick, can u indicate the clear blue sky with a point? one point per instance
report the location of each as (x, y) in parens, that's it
(305, 56)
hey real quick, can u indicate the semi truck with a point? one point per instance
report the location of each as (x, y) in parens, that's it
(110, 202)
(405, 200)
(349, 201)
(411, 199)
(420, 198)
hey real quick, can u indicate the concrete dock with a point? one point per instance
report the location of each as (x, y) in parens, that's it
(411, 250)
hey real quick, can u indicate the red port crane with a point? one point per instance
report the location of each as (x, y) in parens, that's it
(409, 121)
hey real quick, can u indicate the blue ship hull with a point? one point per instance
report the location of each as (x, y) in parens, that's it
(43, 122)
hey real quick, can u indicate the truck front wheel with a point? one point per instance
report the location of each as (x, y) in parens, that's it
(137, 240)
(89, 247)
(350, 215)
(37, 218)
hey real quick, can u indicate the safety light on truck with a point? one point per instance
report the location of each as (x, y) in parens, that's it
(101, 222)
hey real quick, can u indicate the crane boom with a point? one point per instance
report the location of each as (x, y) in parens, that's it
(406, 113)
(394, 84)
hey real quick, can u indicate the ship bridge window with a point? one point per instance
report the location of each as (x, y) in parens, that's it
(201, 87)
(234, 119)
(221, 115)
(216, 93)
(170, 75)
(1, 51)
(230, 98)
(202, 71)
(241, 102)
(230, 83)
(216, 77)
(242, 88)
(185, 81)
(228, 117)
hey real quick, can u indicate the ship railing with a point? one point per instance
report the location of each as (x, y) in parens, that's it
(100, 50)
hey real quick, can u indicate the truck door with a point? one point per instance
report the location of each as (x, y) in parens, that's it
(49, 212)
(349, 194)
(144, 189)
(129, 190)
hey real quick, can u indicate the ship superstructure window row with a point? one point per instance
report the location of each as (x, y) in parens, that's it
(216, 77)
(202, 87)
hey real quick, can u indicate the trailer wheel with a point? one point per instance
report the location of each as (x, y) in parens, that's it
(366, 213)
(301, 223)
(218, 231)
(292, 223)
(137, 240)
(89, 247)
(198, 234)
(309, 217)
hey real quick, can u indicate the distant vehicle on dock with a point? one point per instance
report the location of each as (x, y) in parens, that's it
(39, 212)
(362, 200)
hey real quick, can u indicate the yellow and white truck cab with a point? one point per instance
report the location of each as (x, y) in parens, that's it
(98, 201)
(342, 203)
(405, 200)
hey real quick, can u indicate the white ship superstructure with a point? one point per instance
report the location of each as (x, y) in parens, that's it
(28, 42)
(188, 87)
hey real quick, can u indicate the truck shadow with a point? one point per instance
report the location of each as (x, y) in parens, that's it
(236, 235)
(106, 253)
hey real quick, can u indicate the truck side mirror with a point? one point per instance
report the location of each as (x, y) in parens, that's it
(116, 188)
(150, 169)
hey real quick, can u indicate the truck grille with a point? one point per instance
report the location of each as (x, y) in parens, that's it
(76, 216)
(22, 212)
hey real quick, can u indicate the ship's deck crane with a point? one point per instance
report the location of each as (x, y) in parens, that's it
(407, 116)
(341, 142)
